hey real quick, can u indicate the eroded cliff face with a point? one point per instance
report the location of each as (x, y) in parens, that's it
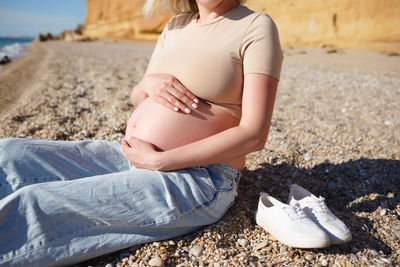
(356, 24)
(121, 19)
(362, 24)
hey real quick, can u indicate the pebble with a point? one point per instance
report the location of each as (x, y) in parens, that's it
(243, 242)
(308, 156)
(309, 257)
(261, 245)
(331, 186)
(156, 261)
(196, 250)
(109, 265)
(324, 262)
(383, 212)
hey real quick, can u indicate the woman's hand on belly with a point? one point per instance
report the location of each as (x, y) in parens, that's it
(168, 91)
(141, 154)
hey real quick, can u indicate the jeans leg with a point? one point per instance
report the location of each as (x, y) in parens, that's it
(65, 222)
(30, 161)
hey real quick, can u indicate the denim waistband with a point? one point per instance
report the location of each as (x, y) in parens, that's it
(227, 170)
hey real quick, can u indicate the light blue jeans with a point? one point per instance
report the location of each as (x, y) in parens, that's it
(62, 202)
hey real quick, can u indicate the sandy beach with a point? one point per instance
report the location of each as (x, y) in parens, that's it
(335, 131)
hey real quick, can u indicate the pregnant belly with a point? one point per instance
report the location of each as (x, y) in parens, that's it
(167, 129)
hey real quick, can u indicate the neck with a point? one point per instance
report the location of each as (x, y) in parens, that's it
(212, 11)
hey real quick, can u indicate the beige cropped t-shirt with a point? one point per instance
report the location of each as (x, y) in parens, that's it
(211, 58)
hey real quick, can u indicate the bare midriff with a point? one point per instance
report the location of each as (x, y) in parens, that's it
(167, 129)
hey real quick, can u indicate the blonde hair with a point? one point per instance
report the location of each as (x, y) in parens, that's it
(151, 7)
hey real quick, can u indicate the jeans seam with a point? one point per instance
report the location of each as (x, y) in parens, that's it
(27, 181)
(50, 241)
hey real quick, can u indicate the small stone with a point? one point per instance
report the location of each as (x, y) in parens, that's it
(331, 185)
(171, 242)
(243, 242)
(387, 122)
(383, 212)
(157, 244)
(156, 261)
(109, 265)
(261, 245)
(272, 238)
(196, 250)
(308, 156)
(309, 257)
(324, 262)
(135, 264)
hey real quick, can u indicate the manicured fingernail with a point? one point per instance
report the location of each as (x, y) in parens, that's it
(187, 110)
(196, 100)
(176, 108)
(194, 105)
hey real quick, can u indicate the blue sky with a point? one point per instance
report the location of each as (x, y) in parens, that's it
(31, 17)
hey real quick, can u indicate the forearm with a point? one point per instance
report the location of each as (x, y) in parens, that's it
(218, 148)
(138, 95)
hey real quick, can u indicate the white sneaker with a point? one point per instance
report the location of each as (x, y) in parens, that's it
(317, 210)
(289, 224)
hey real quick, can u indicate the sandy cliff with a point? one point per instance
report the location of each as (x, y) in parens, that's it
(121, 19)
(366, 24)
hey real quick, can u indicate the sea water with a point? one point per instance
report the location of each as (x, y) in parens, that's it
(13, 47)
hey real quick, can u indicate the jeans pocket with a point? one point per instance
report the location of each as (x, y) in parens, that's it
(205, 183)
(222, 177)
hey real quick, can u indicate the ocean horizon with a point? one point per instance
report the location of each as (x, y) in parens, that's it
(14, 47)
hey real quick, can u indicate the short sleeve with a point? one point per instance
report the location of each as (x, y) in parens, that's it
(261, 49)
(162, 39)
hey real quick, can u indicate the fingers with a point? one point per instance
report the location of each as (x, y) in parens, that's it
(168, 91)
(183, 98)
(176, 103)
(125, 143)
(184, 94)
(173, 104)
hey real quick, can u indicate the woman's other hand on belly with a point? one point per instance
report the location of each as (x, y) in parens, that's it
(168, 91)
(141, 154)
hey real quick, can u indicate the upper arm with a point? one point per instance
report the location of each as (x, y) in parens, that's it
(262, 62)
(258, 100)
(260, 49)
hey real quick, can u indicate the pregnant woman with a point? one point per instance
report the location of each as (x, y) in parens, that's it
(205, 101)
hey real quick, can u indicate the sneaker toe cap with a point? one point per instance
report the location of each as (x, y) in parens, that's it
(338, 232)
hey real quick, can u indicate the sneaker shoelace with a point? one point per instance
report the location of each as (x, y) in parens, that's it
(295, 214)
(318, 205)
